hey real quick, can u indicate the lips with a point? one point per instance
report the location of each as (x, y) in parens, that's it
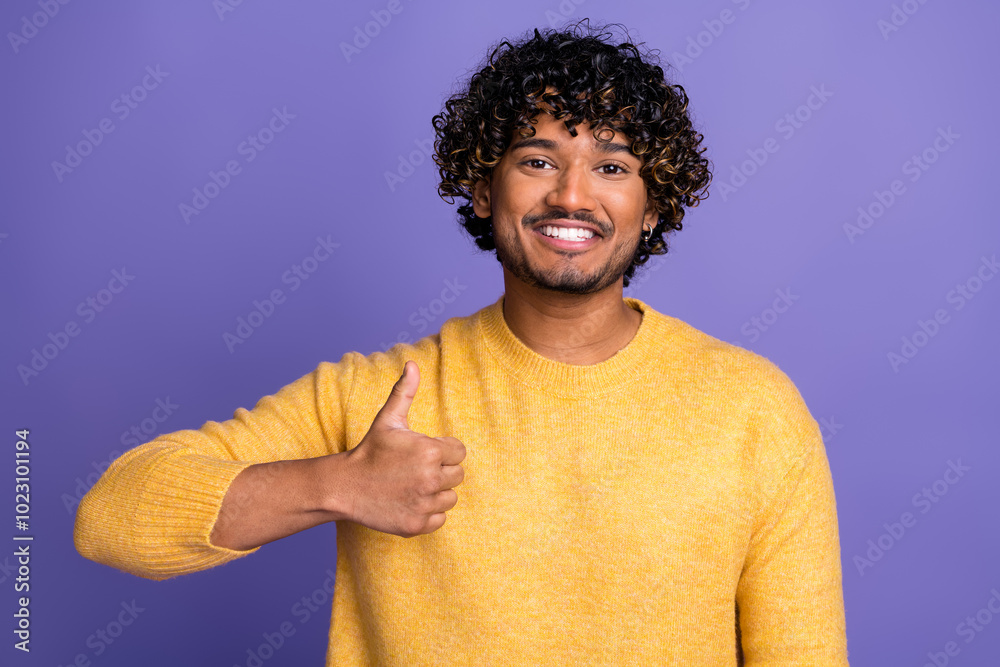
(566, 244)
(568, 224)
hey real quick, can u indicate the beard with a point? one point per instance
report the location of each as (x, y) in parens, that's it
(565, 276)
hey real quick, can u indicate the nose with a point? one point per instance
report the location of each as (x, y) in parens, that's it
(571, 190)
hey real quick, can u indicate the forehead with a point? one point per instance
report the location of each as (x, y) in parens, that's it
(551, 133)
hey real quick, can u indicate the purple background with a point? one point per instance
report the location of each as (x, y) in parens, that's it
(890, 432)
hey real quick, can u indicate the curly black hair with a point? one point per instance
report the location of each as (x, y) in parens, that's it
(593, 81)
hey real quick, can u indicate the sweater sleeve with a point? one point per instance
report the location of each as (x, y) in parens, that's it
(152, 511)
(790, 593)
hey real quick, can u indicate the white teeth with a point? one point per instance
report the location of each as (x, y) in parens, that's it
(569, 234)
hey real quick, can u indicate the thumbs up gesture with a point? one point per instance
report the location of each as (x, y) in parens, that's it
(402, 482)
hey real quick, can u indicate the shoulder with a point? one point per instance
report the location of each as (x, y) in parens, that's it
(725, 365)
(764, 411)
(758, 398)
(383, 367)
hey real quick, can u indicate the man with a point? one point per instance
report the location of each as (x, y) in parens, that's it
(566, 476)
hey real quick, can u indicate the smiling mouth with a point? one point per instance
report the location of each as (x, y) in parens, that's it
(566, 233)
(567, 238)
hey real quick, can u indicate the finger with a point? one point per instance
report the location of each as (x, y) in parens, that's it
(453, 451)
(451, 476)
(445, 500)
(394, 413)
(434, 522)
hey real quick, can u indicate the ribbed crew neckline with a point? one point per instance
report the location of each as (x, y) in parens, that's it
(571, 380)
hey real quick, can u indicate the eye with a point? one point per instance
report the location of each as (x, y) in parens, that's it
(533, 162)
(619, 169)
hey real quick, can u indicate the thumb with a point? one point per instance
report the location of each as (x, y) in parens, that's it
(393, 414)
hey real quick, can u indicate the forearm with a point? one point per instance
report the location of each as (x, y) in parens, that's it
(151, 512)
(269, 501)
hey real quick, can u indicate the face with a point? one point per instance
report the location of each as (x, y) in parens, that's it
(553, 181)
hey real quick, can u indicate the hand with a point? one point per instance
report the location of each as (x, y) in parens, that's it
(402, 482)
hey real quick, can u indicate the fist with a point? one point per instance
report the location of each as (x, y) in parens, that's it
(402, 482)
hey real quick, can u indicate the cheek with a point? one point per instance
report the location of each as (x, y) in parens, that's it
(639, 202)
(624, 208)
(510, 202)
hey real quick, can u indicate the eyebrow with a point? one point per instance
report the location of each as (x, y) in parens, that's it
(601, 146)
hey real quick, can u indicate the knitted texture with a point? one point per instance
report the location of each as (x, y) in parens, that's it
(611, 514)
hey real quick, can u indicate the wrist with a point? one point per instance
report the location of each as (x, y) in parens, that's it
(325, 478)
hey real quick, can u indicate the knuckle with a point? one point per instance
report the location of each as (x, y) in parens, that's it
(426, 506)
(427, 482)
(414, 526)
(432, 453)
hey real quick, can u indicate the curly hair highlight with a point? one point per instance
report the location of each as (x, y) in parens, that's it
(592, 81)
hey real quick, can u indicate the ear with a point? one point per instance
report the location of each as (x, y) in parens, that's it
(651, 215)
(481, 198)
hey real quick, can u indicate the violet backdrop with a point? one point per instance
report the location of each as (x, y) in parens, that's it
(849, 237)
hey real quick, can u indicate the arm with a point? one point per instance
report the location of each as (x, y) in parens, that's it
(395, 481)
(790, 593)
(188, 501)
(269, 501)
(153, 511)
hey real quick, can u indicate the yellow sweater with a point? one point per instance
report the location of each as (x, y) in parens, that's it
(612, 514)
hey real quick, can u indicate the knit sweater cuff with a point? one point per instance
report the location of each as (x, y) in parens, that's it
(170, 500)
(193, 487)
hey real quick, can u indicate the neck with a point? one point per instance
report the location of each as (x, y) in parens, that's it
(580, 329)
